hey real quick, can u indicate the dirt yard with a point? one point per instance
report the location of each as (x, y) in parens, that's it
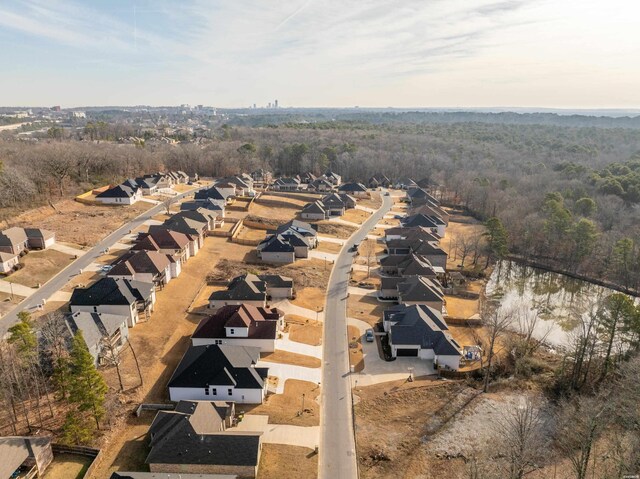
(285, 357)
(310, 298)
(375, 201)
(77, 223)
(469, 229)
(335, 229)
(366, 308)
(276, 207)
(67, 466)
(39, 267)
(6, 303)
(461, 307)
(285, 408)
(392, 421)
(356, 216)
(251, 234)
(328, 247)
(304, 330)
(279, 461)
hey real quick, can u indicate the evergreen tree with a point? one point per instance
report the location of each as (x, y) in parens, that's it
(23, 335)
(498, 238)
(617, 315)
(87, 387)
(75, 429)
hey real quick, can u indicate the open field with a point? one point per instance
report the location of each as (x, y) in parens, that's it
(279, 461)
(285, 357)
(83, 224)
(39, 267)
(285, 408)
(366, 308)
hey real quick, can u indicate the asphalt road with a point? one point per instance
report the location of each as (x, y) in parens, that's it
(337, 452)
(63, 277)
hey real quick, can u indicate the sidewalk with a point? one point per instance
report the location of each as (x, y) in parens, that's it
(67, 249)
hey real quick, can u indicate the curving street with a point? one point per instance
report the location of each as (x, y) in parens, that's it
(337, 454)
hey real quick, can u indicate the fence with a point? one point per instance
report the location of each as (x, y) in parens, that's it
(84, 198)
(463, 321)
(310, 197)
(224, 233)
(96, 454)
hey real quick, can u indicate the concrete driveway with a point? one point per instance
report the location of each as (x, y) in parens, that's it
(290, 371)
(279, 433)
(285, 344)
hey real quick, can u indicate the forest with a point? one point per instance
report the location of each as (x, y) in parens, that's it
(567, 196)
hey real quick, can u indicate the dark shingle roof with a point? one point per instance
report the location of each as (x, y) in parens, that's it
(261, 323)
(419, 288)
(119, 191)
(112, 291)
(247, 287)
(276, 244)
(219, 365)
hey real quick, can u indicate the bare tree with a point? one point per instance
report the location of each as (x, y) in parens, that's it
(111, 356)
(522, 432)
(369, 250)
(497, 321)
(168, 202)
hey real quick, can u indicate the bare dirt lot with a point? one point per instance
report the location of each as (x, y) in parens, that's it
(285, 408)
(375, 201)
(356, 216)
(310, 298)
(468, 229)
(83, 224)
(335, 229)
(327, 247)
(39, 267)
(392, 420)
(460, 307)
(279, 461)
(356, 359)
(251, 234)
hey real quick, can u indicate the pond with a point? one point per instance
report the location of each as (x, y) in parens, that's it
(555, 298)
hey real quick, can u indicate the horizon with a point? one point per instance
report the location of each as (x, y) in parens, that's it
(563, 54)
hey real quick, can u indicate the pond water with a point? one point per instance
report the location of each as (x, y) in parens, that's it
(554, 297)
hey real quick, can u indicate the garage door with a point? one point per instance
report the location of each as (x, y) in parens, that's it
(407, 352)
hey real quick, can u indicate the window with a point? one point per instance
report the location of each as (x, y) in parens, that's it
(214, 392)
(230, 391)
(95, 309)
(231, 331)
(217, 341)
(206, 391)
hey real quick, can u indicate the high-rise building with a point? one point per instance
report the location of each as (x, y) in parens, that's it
(276, 104)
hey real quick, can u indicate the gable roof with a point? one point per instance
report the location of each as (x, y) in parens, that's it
(114, 291)
(247, 287)
(38, 233)
(213, 193)
(353, 187)
(143, 261)
(276, 244)
(313, 208)
(219, 365)
(4, 257)
(421, 325)
(94, 326)
(167, 239)
(305, 229)
(13, 236)
(419, 289)
(422, 220)
(119, 191)
(262, 323)
(14, 450)
(333, 200)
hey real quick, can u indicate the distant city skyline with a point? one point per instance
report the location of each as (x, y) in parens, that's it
(559, 54)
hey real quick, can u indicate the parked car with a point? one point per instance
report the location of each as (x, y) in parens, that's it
(369, 336)
(105, 268)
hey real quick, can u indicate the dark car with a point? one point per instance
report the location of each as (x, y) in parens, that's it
(369, 336)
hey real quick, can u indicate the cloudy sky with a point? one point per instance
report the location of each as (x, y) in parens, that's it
(403, 53)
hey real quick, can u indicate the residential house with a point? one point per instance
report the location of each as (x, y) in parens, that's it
(420, 195)
(149, 186)
(194, 438)
(115, 296)
(410, 234)
(433, 223)
(286, 184)
(307, 177)
(410, 264)
(319, 185)
(171, 243)
(421, 331)
(241, 325)
(303, 229)
(8, 261)
(421, 290)
(221, 194)
(333, 204)
(219, 373)
(377, 181)
(24, 456)
(253, 290)
(348, 200)
(120, 195)
(14, 240)
(314, 211)
(216, 206)
(201, 215)
(429, 209)
(357, 190)
(261, 176)
(39, 239)
(193, 229)
(404, 184)
(148, 266)
(243, 186)
(427, 249)
(105, 334)
(276, 249)
(332, 177)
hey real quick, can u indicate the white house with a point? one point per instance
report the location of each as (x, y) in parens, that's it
(120, 195)
(420, 331)
(8, 261)
(219, 373)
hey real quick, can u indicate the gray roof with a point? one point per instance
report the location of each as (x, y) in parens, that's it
(423, 326)
(94, 326)
(13, 236)
(314, 208)
(14, 450)
(419, 288)
(113, 291)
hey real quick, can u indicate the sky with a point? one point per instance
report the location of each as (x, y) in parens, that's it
(331, 53)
